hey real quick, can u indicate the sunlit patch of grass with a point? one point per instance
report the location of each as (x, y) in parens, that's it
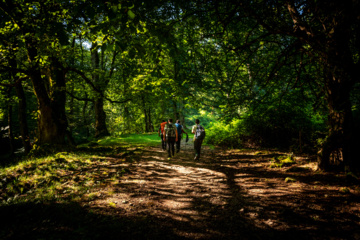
(61, 177)
(76, 198)
(127, 140)
(282, 161)
(259, 153)
(112, 204)
(91, 196)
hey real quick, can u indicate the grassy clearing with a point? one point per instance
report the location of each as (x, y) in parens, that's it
(62, 177)
(133, 140)
(70, 176)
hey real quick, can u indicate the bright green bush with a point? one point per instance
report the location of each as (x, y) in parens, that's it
(280, 126)
(225, 134)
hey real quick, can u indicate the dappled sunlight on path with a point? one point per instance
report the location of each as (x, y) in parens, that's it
(137, 193)
(230, 194)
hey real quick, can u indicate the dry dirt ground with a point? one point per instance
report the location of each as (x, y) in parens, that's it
(228, 194)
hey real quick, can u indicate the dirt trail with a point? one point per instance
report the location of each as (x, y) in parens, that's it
(230, 195)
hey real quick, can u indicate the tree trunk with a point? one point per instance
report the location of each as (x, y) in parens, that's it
(85, 122)
(10, 129)
(52, 122)
(181, 115)
(175, 112)
(100, 119)
(146, 114)
(151, 126)
(338, 147)
(24, 130)
(100, 115)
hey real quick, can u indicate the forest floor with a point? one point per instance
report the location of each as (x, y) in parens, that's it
(228, 194)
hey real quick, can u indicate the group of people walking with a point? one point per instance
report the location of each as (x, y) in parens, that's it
(171, 135)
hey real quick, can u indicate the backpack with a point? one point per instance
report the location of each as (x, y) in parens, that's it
(170, 130)
(200, 132)
(179, 128)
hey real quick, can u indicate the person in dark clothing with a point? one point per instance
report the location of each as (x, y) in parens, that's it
(180, 130)
(171, 137)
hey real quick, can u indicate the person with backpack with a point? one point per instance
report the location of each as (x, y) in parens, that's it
(171, 137)
(161, 133)
(180, 130)
(199, 135)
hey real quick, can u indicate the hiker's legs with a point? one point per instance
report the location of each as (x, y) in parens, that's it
(173, 146)
(197, 148)
(163, 143)
(178, 144)
(170, 143)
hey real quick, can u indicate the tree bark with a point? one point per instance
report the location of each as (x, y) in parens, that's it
(100, 119)
(147, 117)
(151, 126)
(50, 93)
(338, 146)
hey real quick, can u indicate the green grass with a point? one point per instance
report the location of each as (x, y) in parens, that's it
(62, 177)
(71, 176)
(65, 177)
(135, 140)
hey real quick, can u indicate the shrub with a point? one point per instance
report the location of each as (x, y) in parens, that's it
(225, 134)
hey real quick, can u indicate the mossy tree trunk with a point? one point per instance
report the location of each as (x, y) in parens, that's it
(100, 115)
(51, 97)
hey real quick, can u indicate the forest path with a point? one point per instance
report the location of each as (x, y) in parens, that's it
(231, 194)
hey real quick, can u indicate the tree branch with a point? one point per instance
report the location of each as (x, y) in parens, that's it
(15, 83)
(87, 80)
(80, 98)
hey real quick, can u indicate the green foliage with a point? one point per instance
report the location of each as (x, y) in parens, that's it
(226, 134)
(149, 61)
(283, 125)
(206, 117)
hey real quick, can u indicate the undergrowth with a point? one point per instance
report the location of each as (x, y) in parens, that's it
(282, 161)
(78, 174)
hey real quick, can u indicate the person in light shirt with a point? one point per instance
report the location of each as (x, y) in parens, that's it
(199, 135)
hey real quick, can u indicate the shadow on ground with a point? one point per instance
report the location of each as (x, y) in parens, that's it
(225, 195)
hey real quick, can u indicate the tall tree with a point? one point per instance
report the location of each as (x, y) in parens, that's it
(327, 32)
(43, 64)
